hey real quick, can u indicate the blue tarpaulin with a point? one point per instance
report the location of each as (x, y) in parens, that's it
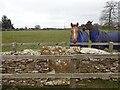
(99, 36)
(94, 35)
(115, 36)
(82, 37)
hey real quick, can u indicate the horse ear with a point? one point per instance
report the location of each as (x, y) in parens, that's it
(77, 24)
(71, 25)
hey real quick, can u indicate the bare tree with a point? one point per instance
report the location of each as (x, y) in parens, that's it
(110, 13)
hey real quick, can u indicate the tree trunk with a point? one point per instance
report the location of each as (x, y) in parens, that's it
(109, 22)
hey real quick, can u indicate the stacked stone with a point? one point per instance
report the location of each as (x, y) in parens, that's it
(59, 65)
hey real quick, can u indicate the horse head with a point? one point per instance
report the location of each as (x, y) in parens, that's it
(74, 32)
(89, 25)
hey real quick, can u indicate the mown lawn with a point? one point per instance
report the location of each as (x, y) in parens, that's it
(36, 36)
(33, 36)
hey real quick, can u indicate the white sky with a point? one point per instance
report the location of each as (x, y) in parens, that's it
(51, 13)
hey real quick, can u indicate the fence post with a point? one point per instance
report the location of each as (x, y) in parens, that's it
(110, 46)
(72, 70)
(14, 44)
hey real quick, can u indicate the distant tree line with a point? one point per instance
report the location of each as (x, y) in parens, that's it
(17, 29)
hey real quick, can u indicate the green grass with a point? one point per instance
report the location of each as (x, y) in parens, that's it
(20, 48)
(36, 36)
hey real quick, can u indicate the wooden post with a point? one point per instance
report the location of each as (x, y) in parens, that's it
(72, 70)
(14, 46)
(110, 47)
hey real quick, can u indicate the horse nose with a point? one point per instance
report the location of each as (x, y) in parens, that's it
(74, 41)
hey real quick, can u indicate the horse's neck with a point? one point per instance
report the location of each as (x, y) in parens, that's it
(94, 29)
(94, 34)
(80, 32)
(79, 35)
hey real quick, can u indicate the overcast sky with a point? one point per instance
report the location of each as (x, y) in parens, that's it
(51, 13)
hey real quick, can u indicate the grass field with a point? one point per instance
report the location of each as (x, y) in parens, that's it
(33, 36)
(36, 36)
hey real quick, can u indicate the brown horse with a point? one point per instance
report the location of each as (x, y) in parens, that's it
(78, 36)
(74, 32)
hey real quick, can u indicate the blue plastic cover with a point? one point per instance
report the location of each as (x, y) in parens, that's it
(94, 35)
(98, 36)
(82, 37)
(115, 36)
